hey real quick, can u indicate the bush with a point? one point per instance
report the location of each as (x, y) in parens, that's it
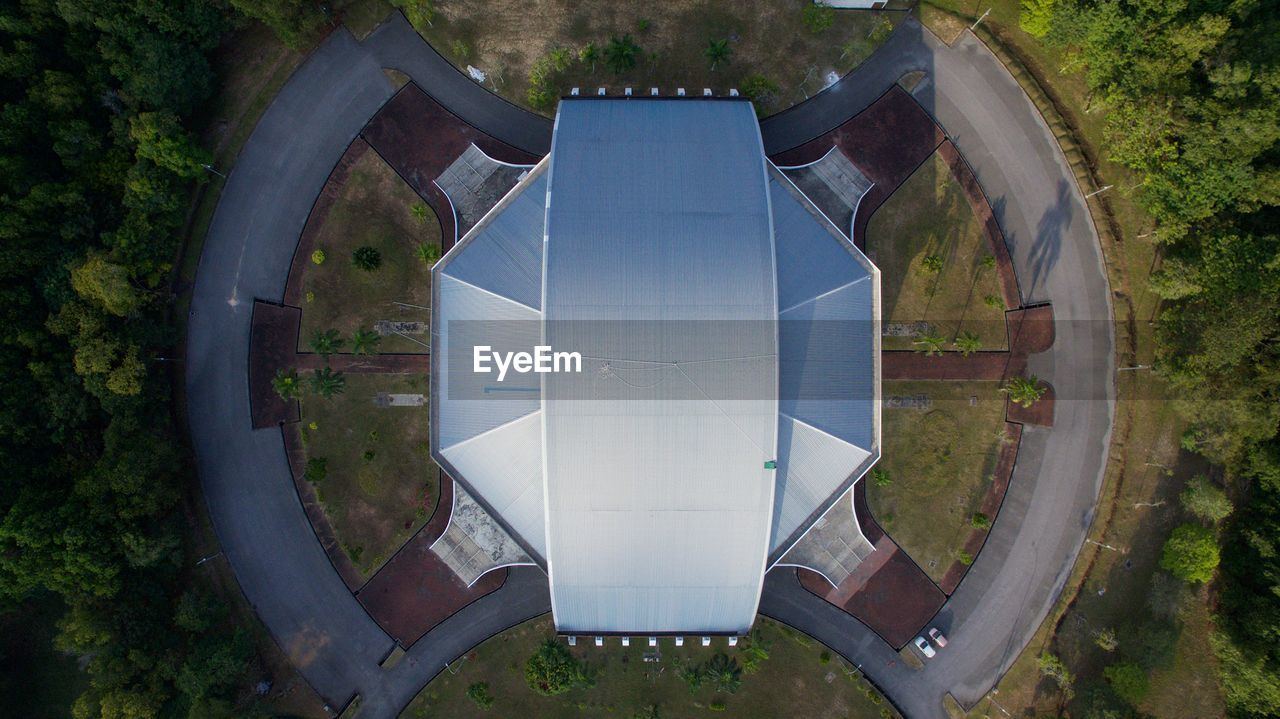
(316, 470)
(931, 264)
(824, 658)
(1128, 680)
(980, 521)
(553, 669)
(964, 557)
(318, 256)
(480, 694)
(819, 17)
(760, 90)
(1036, 17)
(1191, 554)
(1205, 501)
(881, 477)
(366, 258)
(718, 706)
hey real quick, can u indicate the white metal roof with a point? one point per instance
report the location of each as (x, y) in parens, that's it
(723, 323)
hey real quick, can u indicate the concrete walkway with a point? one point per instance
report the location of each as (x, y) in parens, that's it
(283, 570)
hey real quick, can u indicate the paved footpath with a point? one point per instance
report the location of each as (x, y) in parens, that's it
(281, 566)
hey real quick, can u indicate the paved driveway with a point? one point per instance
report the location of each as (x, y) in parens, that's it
(1047, 511)
(284, 572)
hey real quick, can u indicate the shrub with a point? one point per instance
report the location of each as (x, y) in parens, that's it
(993, 301)
(718, 705)
(429, 254)
(553, 669)
(931, 264)
(1106, 640)
(1205, 501)
(980, 521)
(824, 657)
(881, 477)
(318, 256)
(819, 17)
(1054, 668)
(760, 90)
(1191, 554)
(366, 258)
(1128, 680)
(317, 469)
(1036, 17)
(964, 557)
(480, 694)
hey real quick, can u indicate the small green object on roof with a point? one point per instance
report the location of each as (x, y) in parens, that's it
(771, 464)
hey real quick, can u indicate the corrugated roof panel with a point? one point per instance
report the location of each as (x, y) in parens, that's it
(811, 260)
(827, 363)
(504, 466)
(811, 467)
(469, 404)
(503, 254)
(658, 211)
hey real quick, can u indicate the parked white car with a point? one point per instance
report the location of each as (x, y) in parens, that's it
(938, 637)
(923, 645)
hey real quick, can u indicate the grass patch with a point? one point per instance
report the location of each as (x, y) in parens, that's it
(935, 265)
(378, 482)
(507, 39)
(793, 681)
(938, 463)
(361, 17)
(374, 209)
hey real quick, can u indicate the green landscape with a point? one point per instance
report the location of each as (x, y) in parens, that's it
(121, 121)
(938, 462)
(777, 671)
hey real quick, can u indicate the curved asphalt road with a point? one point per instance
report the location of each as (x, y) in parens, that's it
(285, 573)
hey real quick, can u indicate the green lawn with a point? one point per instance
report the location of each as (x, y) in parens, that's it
(375, 208)
(795, 681)
(506, 38)
(379, 484)
(939, 462)
(928, 220)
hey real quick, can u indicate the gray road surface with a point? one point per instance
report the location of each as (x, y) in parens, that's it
(285, 573)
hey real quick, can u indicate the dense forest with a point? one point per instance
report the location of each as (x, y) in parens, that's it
(96, 173)
(1191, 91)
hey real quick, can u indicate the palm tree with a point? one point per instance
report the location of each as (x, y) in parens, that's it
(420, 212)
(590, 54)
(428, 253)
(327, 383)
(723, 672)
(930, 344)
(1025, 391)
(325, 343)
(718, 51)
(968, 343)
(366, 258)
(365, 342)
(286, 383)
(621, 53)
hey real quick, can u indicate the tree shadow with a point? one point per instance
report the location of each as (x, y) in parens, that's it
(1046, 248)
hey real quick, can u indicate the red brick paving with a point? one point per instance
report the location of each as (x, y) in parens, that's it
(886, 142)
(415, 590)
(420, 138)
(892, 596)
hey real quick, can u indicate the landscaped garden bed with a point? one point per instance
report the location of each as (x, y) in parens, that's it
(793, 675)
(370, 262)
(939, 278)
(941, 444)
(366, 454)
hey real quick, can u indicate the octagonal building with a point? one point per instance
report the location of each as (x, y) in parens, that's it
(726, 393)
